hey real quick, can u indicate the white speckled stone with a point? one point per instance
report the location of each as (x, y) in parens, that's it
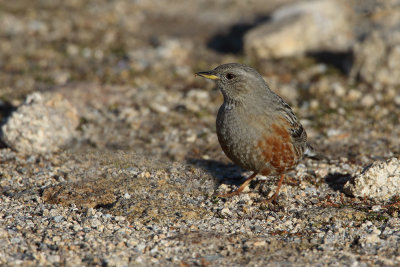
(380, 181)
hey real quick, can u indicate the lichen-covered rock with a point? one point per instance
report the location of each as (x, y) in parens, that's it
(42, 124)
(380, 181)
(308, 26)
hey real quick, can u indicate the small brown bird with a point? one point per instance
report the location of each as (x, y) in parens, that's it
(256, 128)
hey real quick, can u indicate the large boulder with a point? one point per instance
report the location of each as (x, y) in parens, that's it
(42, 124)
(309, 26)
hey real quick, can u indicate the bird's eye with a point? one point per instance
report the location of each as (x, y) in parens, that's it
(230, 76)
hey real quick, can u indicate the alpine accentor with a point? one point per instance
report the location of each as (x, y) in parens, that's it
(256, 128)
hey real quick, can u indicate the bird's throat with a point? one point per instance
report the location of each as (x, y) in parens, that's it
(231, 103)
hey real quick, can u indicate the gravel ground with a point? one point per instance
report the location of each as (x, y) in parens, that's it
(136, 183)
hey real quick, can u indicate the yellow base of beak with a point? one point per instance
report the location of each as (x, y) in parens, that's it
(207, 75)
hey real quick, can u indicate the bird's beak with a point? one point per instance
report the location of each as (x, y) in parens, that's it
(207, 74)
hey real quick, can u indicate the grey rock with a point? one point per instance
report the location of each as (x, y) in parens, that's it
(42, 124)
(377, 58)
(308, 26)
(58, 218)
(380, 181)
(15, 240)
(95, 223)
(377, 54)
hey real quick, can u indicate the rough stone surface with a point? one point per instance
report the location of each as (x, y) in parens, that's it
(380, 181)
(308, 26)
(42, 124)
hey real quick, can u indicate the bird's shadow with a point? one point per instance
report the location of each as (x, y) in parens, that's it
(336, 180)
(6, 108)
(222, 173)
(231, 174)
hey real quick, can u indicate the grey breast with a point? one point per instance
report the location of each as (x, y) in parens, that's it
(238, 137)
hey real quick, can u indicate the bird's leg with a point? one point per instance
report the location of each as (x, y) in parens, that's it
(276, 191)
(241, 188)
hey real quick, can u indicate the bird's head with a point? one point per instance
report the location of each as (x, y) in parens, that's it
(237, 82)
